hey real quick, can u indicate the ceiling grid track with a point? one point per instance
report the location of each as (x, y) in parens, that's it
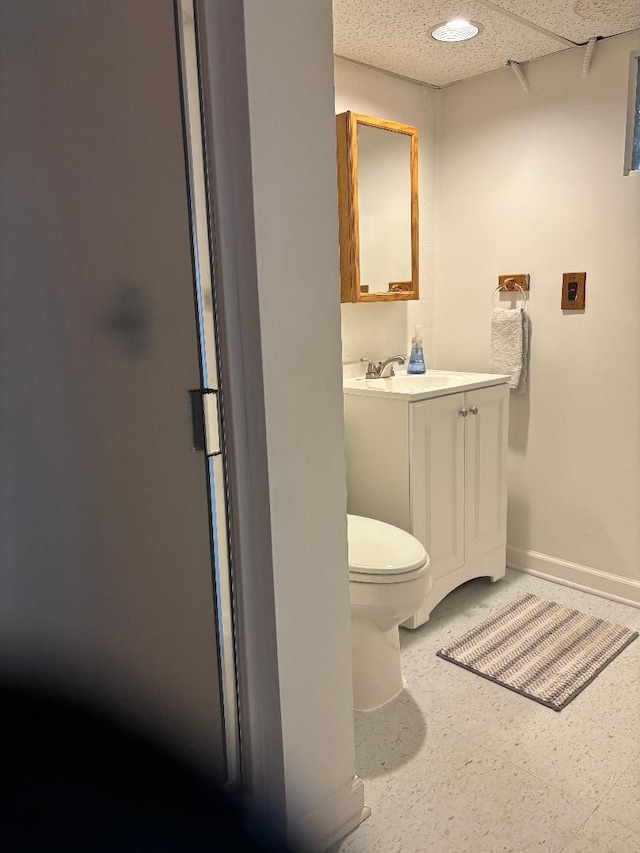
(525, 22)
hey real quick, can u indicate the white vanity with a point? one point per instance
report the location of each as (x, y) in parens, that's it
(428, 453)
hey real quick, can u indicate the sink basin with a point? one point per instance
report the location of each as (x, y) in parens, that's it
(408, 383)
(420, 386)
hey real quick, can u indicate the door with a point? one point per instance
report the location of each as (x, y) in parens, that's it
(106, 522)
(486, 470)
(437, 480)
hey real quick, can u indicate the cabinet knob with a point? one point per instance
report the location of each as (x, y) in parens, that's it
(463, 412)
(474, 410)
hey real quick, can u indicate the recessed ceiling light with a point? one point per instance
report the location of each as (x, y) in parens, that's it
(458, 30)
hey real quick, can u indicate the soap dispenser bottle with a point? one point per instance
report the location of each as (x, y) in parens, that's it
(416, 359)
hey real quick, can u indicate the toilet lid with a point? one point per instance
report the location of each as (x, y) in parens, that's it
(379, 548)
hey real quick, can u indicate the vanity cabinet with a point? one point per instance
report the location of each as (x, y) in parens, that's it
(436, 468)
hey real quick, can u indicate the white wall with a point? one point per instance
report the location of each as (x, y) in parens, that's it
(382, 329)
(295, 203)
(534, 183)
(508, 161)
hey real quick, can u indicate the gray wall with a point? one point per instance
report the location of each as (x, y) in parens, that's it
(106, 572)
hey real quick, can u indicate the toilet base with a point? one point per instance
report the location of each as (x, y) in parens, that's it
(377, 671)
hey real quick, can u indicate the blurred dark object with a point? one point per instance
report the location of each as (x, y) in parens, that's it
(76, 778)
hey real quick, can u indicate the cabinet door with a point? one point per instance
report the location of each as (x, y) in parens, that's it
(436, 471)
(486, 470)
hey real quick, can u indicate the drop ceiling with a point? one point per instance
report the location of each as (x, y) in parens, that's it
(394, 34)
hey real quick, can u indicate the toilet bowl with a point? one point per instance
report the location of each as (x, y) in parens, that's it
(389, 580)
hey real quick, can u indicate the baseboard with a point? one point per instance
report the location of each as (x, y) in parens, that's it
(332, 819)
(615, 587)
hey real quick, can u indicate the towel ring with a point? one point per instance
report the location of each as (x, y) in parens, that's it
(509, 287)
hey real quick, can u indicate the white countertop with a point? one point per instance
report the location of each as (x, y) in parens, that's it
(421, 386)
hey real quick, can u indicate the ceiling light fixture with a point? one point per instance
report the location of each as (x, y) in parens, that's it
(458, 30)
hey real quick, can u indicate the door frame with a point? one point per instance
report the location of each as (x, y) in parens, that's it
(227, 154)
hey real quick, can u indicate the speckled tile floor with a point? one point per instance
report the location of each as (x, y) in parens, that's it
(458, 764)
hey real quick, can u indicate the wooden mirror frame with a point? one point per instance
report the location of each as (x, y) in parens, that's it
(348, 217)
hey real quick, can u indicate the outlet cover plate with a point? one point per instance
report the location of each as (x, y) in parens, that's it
(573, 291)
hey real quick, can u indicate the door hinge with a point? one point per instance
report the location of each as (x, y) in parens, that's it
(205, 421)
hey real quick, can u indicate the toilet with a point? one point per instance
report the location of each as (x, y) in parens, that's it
(389, 580)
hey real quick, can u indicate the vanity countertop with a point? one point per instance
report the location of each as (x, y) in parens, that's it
(421, 386)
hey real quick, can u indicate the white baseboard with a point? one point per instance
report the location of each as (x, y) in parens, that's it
(332, 819)
(615, 587)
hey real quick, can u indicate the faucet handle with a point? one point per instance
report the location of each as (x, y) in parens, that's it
(372, 370)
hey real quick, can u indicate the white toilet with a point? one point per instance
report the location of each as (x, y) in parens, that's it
(389, 580)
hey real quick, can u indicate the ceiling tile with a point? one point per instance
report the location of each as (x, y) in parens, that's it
(394, 35)
(578, 20)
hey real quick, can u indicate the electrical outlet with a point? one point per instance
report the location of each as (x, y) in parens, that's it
(573, 291)
(508, 282)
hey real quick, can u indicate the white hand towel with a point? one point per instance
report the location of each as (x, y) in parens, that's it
(524, 373)
(509, 344)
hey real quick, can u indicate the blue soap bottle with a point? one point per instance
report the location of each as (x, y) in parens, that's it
(416, 359)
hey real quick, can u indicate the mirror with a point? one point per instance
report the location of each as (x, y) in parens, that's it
(377, 209)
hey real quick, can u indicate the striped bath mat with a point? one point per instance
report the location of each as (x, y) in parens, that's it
(540, 649)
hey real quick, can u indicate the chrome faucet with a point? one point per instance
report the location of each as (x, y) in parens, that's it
(395, 359)
(376, 371)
